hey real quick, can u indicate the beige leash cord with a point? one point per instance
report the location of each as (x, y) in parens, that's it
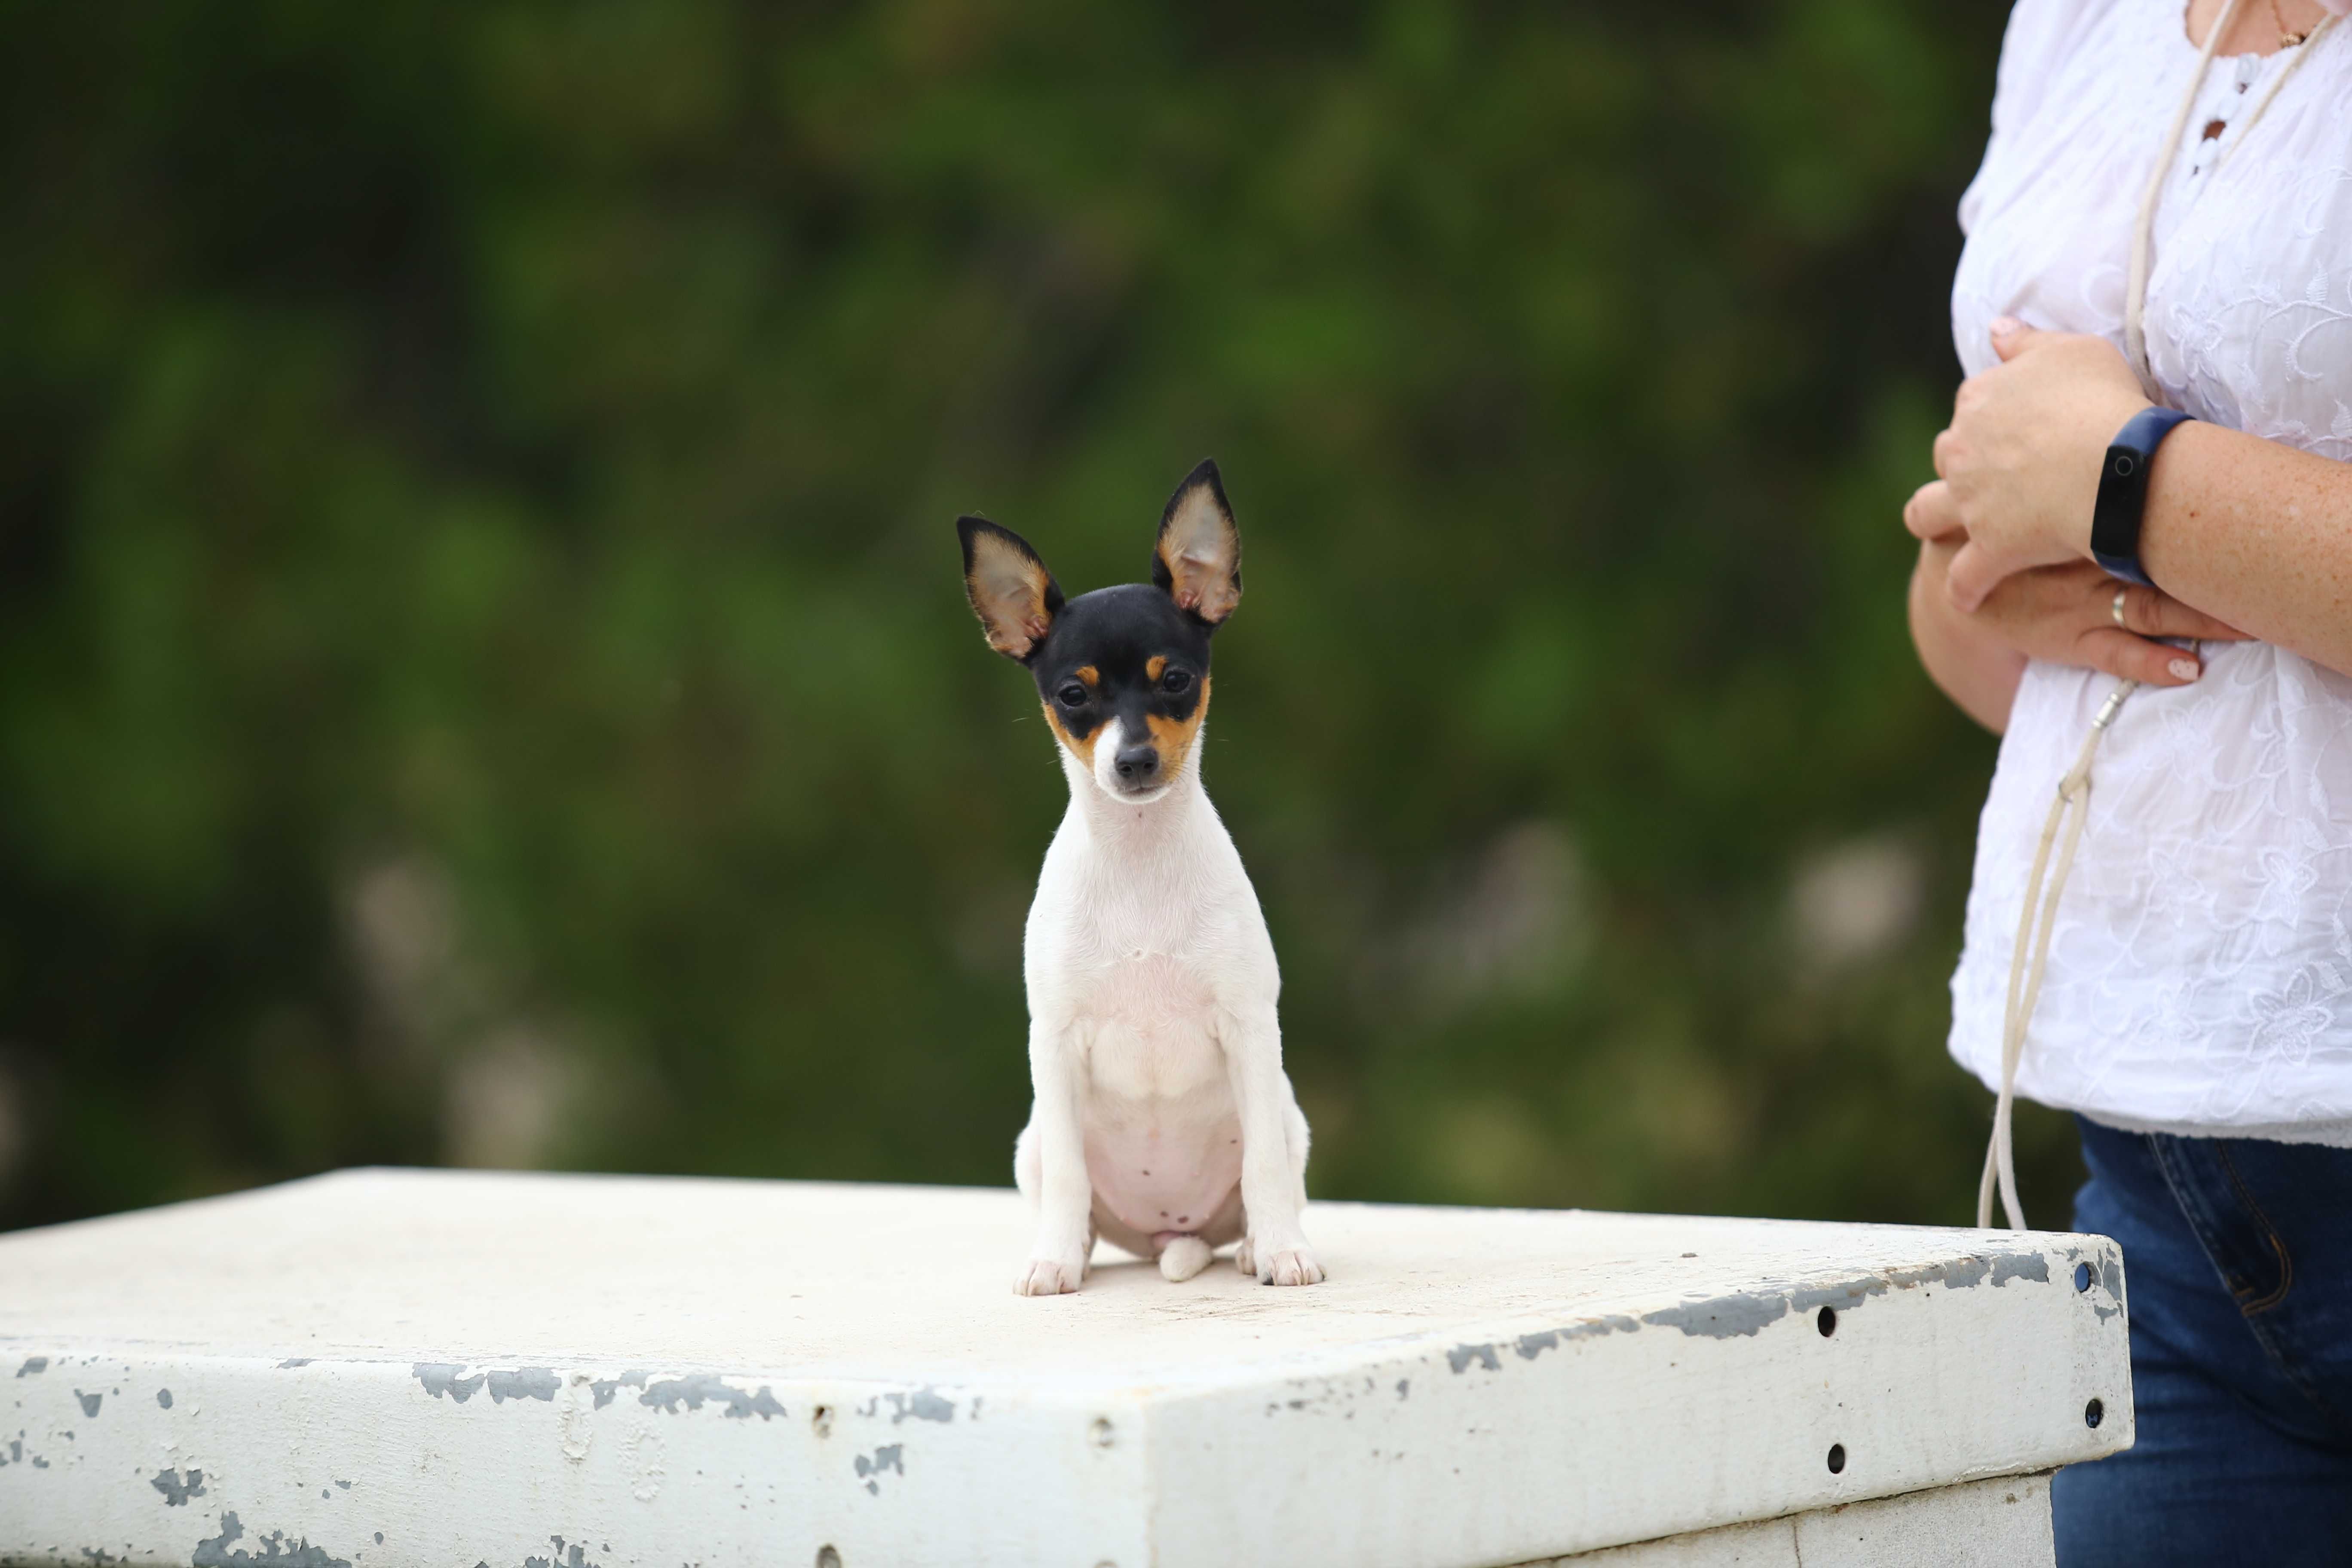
(2068, 812)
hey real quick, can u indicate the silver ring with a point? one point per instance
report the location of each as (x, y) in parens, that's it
(2116, 609)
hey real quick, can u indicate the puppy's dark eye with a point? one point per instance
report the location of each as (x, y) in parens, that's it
(1176, 682)
(1072, 696)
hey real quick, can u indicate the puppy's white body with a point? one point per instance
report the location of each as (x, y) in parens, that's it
(1163, 1118)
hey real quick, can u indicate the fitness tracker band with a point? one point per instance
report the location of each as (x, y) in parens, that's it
(2123, 491)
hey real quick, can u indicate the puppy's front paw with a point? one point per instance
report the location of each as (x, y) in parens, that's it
(1049, 1276)
(1292, 1265)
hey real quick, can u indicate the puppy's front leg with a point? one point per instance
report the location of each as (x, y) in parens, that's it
(1274, 1185)
(1057, 1259)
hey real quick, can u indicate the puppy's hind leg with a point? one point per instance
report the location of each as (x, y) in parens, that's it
(1183, 1256)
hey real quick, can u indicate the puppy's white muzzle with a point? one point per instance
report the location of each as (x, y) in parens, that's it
(1129, 769)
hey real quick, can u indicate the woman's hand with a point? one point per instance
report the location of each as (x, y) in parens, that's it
(2066, 614)
(2018, 468)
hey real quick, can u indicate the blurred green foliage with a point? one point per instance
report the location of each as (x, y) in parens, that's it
(483, 672)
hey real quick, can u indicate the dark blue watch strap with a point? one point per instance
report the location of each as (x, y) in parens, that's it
(2123, 491)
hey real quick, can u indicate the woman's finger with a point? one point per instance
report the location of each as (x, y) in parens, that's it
(1975, 573)
(2119, 653)
(2012, 337)
(1931, 512)
(2155, 614)
(1939, 453)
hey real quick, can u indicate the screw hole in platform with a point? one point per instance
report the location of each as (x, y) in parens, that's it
(826, 1557)
(2082, 1276)
(1837, 1458)
(1828, 1321)
(2094, 1413)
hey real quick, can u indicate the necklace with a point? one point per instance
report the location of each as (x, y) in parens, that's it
(2287, 39)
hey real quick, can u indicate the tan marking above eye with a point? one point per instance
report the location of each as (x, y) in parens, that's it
(1088, 676)
(1155, 667)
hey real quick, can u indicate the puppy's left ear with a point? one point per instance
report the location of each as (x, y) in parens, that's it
(1197, 560)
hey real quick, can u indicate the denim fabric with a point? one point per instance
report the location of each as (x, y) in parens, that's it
(2238, 1276)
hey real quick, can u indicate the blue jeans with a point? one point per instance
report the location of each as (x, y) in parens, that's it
(2238, 1274)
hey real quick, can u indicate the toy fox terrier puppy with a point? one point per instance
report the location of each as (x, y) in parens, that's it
(1162, 1121)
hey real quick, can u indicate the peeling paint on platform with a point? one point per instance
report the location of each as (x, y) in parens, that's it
(670, 1392)
(1742, 1314)
(214, 1553)
(440, 1377)
(573, 1556)
(523, 1383)
(889, 1456)
(604, 1389)
(1460, 1357)
(923, 1404)
(178, 1488)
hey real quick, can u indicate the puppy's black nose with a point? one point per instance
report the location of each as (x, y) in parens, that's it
(1136, 764)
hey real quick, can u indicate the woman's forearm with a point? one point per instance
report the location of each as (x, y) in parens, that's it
(1975, 668)
(2257, 533)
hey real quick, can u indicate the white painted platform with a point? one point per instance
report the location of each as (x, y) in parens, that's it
(380, 1368)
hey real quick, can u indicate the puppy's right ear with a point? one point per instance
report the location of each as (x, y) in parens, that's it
(1014, 596)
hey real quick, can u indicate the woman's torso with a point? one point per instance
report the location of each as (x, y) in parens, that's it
(2200, 974)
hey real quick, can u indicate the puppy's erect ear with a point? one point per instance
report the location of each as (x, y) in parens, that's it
(1199, 558)
(1014, 596)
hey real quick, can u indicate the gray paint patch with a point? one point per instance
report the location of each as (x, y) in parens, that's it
(178, 1488)
(2111, 1280)
(1958, 1274)
(293, 1361)
(1533, 1345)
(2020, 1266)
(523, 1383)
(214, 1553)
(889, 1456)
(441, 1377)
(670, 1392)
(924, 1406)
(1725, 1317)
(32, 1364)
(1460, 1357)
(89, 1403)
(604, 1389)
(164, 1397)
(576, 1556)
(1844, 1297)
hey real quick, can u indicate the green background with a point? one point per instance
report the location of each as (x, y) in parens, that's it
(484, 676)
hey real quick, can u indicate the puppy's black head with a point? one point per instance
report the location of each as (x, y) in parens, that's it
(1123, 672)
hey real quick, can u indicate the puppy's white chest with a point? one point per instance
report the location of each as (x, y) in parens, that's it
(1153, 1031)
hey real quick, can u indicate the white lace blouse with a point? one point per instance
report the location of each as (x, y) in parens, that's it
(2200, 974)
